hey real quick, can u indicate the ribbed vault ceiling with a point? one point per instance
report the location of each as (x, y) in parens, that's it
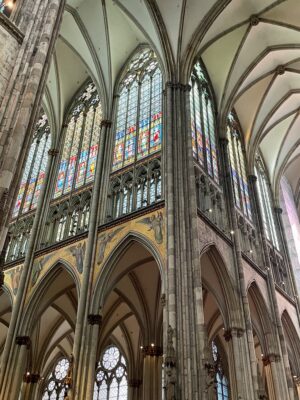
(250, 49)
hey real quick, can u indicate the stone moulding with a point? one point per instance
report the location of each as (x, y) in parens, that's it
(11, 28)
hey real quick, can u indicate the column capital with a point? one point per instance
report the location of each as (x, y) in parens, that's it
(31, 378)
(235, 331)
(252, 178)
(267, 359)
(178, 86)
(53, 152)
(134, 383)
(94, 319)
(23, 341)
(278, 210)
(105, 123)
(152, 350)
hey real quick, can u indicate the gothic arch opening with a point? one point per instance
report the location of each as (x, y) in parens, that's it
(51, 327)
(263, 340)
(220, 372)
(5, 314)
(132, 320)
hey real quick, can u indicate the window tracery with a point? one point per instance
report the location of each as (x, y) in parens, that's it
(221, 380)
(139, 111)
(265, 201)
(35, 169)
(203, 124)
(55, 387)
(80, 148)
(111, 376)
(238, 166)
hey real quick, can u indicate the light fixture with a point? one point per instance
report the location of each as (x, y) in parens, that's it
(209, 210)
(231, 232)
(152, 344)
(141, 347)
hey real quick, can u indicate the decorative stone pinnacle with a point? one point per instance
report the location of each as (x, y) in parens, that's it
(94, 319)
(23, 341)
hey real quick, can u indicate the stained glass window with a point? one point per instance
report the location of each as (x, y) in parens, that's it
(55, 387)
(238, 167)
(35, 169)
(221, 380)
(111, 376)
(139, 111)
(265, 200)
(203, 125)
(80, 149)
(6, 7)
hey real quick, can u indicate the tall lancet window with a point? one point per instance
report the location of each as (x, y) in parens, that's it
(221, 379)
(80, 149)
(238, 166)
(111, 376)
(55, 386)
(138, 131)
(266, 203)
(203, 124)
(35, 169)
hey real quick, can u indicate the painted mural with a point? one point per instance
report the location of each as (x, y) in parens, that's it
(150, 226)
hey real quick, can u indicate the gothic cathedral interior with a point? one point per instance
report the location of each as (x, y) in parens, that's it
(149, 199)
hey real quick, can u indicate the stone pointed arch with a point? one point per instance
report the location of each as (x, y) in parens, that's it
(262, 321)
(226, 298)
(100, 289)
(41, 288)
(292, 339)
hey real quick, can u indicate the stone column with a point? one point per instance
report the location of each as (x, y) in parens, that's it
(152, 371)
(282, 362)
(81, 340)
(30, 380)
(134, 389)
(248, 371)
(94, 327)
(183, 287)
(8, 355)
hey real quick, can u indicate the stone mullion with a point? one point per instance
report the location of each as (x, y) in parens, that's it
(249, 385)
(7, 361)
(287, 383)
(33, 92)
(80, 340)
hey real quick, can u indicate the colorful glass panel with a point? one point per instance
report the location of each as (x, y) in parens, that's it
(35, 169)
(139, 112)
(203, 128)
(80, 149)
(6, 7)
(238, 167)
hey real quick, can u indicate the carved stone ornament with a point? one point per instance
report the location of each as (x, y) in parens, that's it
(153, 351)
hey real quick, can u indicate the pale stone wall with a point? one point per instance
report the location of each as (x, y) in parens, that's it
(291, 226)
(9, 48)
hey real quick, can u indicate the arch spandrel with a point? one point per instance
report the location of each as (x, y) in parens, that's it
(12, 280)
(150, 228)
